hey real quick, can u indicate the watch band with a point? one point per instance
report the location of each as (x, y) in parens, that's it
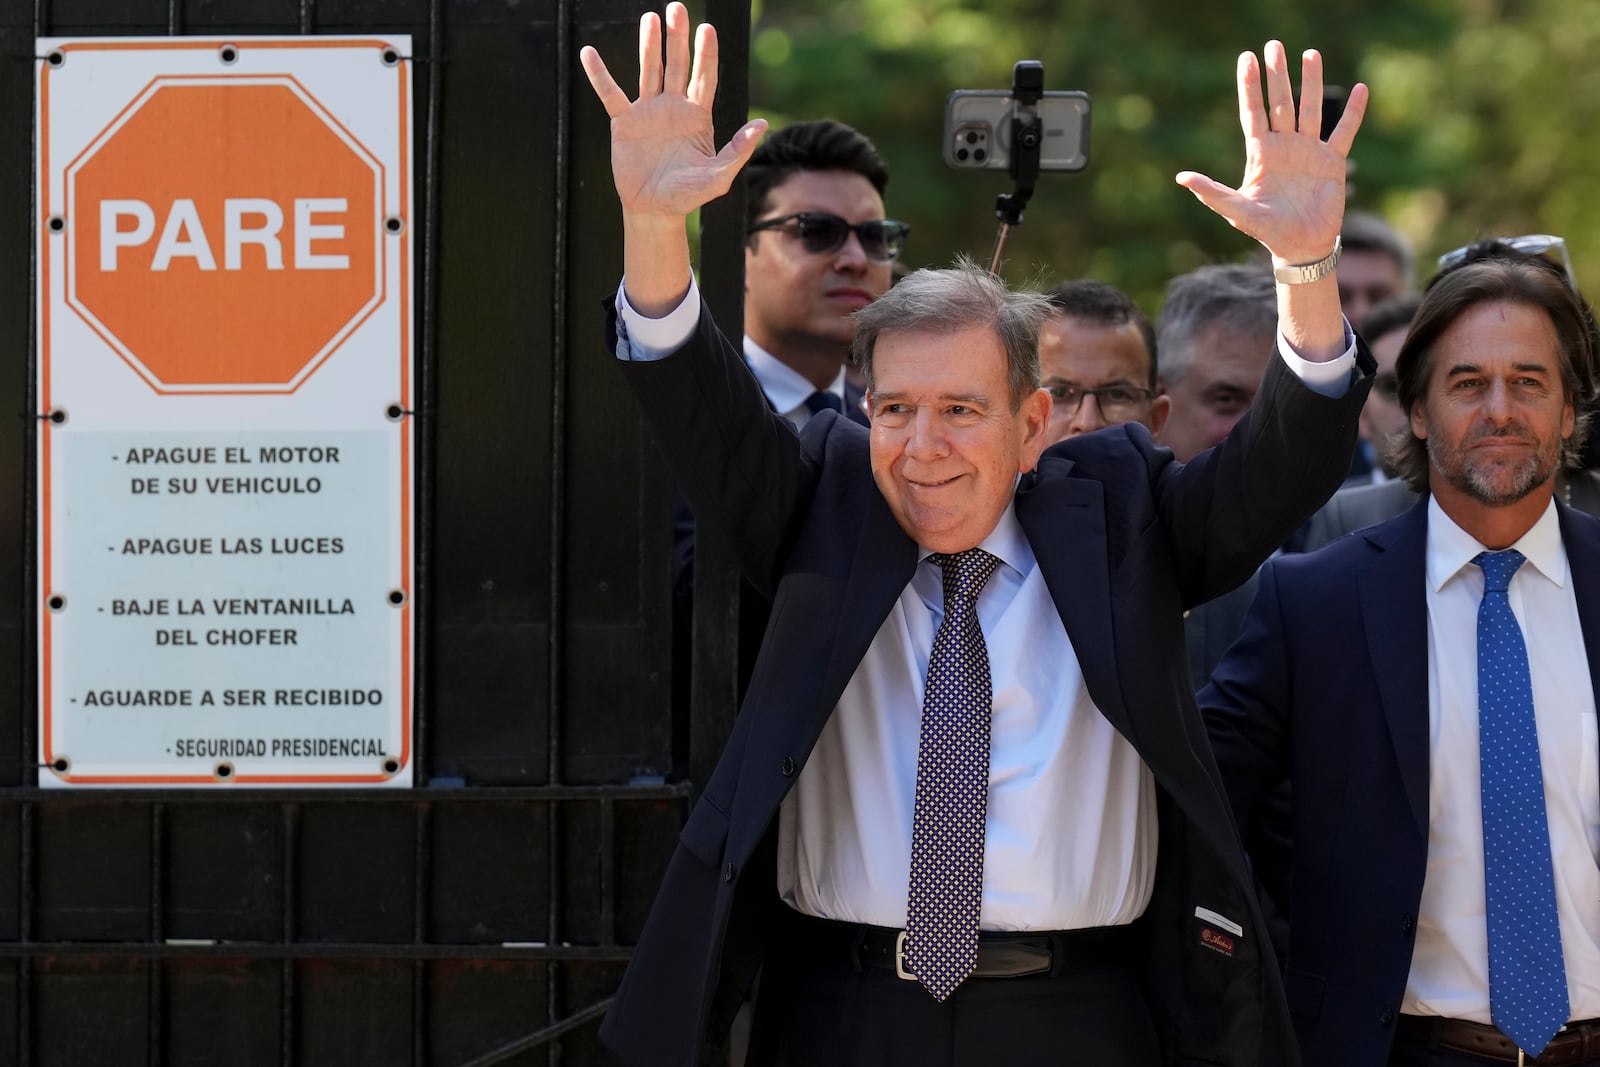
(1301, 273)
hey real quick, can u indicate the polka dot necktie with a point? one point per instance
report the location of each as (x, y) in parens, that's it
(1527, 974)
(946, 884)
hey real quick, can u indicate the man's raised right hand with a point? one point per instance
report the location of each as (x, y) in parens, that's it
(663, 148)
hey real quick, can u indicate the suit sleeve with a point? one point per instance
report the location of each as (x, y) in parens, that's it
(740, 465)
(1233, 505)
(1246, 703)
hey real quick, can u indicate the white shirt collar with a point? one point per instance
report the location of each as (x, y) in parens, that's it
(1006, 541)
(1450, 548)
(785, 387)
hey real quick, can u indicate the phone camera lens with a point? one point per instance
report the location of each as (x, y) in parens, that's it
(961, 154)
(972, 137)
(980, 155)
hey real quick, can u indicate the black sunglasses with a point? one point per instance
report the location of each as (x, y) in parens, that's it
(820, 232)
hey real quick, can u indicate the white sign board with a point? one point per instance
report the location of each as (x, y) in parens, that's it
(225, 443)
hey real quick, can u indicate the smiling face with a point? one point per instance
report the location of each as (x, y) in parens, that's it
(797, 303)
(1494, 411)
(946, 445)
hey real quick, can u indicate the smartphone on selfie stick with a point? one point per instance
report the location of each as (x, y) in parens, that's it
(1021, 132)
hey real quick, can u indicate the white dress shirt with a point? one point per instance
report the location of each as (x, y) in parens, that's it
(1450, 964)
(1071, 833)
(786, 388)
(1070, 838)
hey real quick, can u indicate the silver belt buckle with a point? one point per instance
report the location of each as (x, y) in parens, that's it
(900, 958)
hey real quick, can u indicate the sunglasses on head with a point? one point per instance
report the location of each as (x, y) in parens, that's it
(1532, 244)
(820, 232)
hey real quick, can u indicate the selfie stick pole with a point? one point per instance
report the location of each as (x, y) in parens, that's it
(1027, 86)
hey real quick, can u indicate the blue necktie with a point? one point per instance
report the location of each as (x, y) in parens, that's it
(821, 401)
(945, 894)
(1527, 974)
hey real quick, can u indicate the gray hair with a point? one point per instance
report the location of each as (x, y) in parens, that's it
(1240, 296)
(1365, 232)
(957, 298)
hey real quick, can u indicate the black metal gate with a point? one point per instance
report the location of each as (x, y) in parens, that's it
(484, 916)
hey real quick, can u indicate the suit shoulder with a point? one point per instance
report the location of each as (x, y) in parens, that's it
(1112, 449)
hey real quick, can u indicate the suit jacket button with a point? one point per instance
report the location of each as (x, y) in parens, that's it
(1406, 924)
(1387, 1018)
(727, 872)
(788, 767)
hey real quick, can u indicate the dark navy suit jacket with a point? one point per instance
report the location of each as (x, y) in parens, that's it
(1328, 684)
(1125, 538)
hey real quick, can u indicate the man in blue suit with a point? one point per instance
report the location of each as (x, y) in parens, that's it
(1428, 687)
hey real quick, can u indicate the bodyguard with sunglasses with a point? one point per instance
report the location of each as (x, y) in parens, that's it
(817, 249)
(967, 813)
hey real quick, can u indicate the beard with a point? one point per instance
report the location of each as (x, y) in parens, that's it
(1494, 482)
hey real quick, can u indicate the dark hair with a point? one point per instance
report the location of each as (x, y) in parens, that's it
(1499, 248)
(823, 144)
(1390, 314)
(1241, 296)
(1104, 305)
(953, 299)
(1488, 281)
(1363, 232)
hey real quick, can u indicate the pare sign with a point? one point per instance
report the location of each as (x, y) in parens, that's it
(225, 405)
(224, 230)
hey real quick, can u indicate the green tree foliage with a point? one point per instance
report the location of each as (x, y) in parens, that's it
(1479, 122)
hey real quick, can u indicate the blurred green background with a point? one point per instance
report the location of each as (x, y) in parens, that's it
(1482, 119)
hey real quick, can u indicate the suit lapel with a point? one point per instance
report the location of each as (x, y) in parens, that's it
(1581, 539)
(1394, 614)
(883, 563)
(1066, 528)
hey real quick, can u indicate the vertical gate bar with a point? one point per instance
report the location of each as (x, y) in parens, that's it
(174, 28)
(156, 968)
(290, 931)
(28, 756)
(422, 859)
(422, 398)
(714, 676)
(308, 16)
(558, 509)
(608, 871)
(25, 891)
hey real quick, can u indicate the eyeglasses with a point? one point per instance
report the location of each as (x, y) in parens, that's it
(820, 233)
(1114, 401)
(1531, 244)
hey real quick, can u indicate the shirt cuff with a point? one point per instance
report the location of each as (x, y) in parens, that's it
(646, 339)
(1331, 379)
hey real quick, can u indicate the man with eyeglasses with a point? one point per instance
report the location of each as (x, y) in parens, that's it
(1097, 353)
(967, 813)
(817, 249)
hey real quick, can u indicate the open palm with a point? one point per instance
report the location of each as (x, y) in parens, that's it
(1291, 197)
(664, 157)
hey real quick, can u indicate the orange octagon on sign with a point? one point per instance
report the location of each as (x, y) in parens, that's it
(225, 234)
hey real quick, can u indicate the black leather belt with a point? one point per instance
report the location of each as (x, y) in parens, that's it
(1577, 1042)
(1000, 955)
